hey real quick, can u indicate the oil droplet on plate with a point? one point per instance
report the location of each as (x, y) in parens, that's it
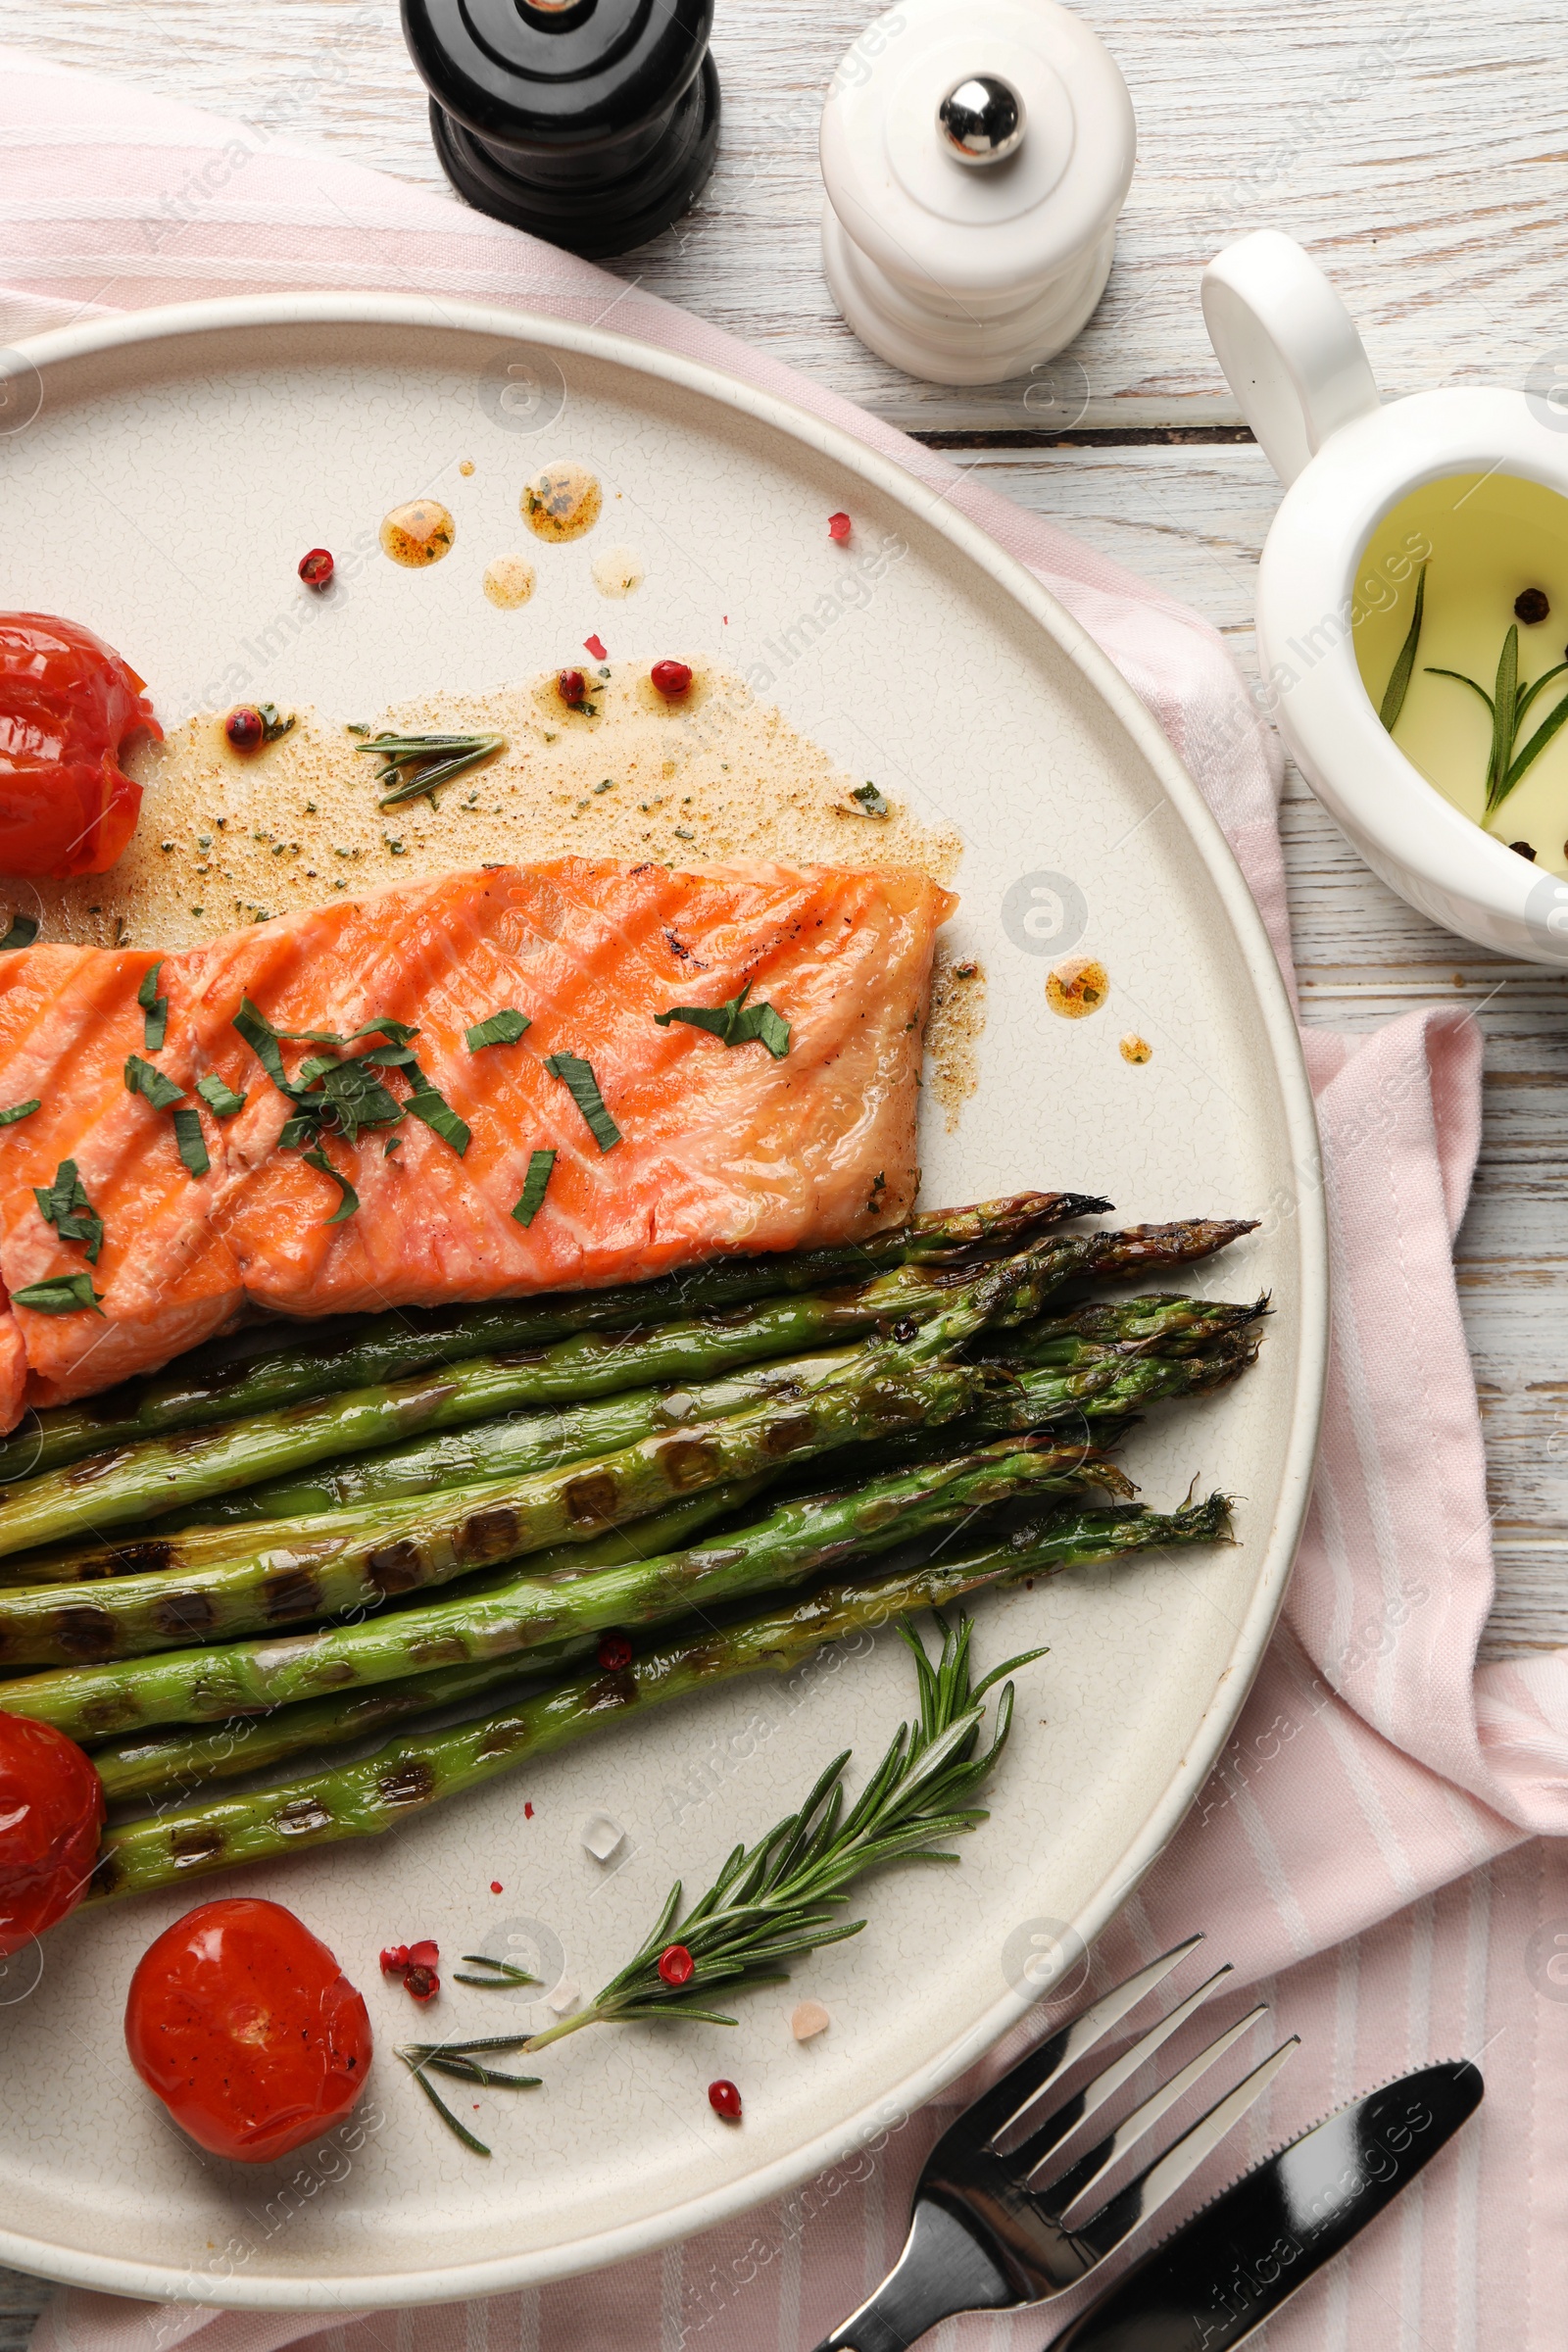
(619, 571)
(509, 582)
(465, 467)
(418, 535)
(1077, 987)
(563, 501)
(1135, 1048)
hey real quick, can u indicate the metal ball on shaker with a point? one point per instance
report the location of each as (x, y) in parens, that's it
(983, 119)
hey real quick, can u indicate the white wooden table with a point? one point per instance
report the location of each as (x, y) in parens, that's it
(1419, 150)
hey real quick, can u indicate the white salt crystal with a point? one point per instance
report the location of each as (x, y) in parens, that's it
(602, 1836)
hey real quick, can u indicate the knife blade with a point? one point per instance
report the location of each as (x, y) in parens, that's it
(1237, 2261)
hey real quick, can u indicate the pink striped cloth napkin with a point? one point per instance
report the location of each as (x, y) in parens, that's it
(1373, 1851)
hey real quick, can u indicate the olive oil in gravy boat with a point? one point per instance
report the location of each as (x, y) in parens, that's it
(1296, 366)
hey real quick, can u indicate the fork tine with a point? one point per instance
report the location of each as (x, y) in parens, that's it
(1066, 2117)
(1007, 2102)
(1123, 2213)
(1080, 2176)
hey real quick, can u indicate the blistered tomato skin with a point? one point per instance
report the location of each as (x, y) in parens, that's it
(51, 1813)
(68, 705)
(243, 2024)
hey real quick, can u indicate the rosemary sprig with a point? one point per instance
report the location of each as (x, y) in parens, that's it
(1399, 684)
(415, 764)
(458, 2061)
(1507, 706)
(776, 1900)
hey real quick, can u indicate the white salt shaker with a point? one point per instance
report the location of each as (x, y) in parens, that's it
(976, 159)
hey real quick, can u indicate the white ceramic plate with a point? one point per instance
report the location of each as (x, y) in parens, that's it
(180, 461)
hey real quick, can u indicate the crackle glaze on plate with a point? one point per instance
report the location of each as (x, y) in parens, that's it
(179, 463)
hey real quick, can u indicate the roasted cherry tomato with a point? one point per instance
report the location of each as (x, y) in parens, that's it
(246, 2029)
(68, 703)
(51, 1811)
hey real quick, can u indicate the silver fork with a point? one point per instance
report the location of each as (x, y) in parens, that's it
(983, 2236)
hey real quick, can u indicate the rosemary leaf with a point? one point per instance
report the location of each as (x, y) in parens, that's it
(1399, 684)
(505, 1978)
(468, 2070)
(20, 1110)
(415, 764)
(1505, 717)
(1533, 748)
(468, 2138)
(463, 2049)
(1459, 675)
(1531, 691)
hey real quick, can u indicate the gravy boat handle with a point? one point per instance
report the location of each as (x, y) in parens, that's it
(1288, 346)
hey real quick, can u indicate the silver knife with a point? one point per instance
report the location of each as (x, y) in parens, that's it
(1234, 2264)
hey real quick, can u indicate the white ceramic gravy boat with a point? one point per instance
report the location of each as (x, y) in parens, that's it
(1296, 366)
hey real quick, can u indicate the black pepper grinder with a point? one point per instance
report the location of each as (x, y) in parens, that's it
(592, 122)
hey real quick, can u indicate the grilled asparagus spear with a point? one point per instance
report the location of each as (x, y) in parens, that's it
(158, 1473)
(281, 1363)
(514, 1444)
(360, 1801)
(562, 1603)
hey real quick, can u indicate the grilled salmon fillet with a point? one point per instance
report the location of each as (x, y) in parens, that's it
(723, 1147)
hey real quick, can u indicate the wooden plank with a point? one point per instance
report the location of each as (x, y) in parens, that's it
(1417, 148)
(21, 2298)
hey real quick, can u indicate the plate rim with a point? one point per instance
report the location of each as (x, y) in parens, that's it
(170, 323)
